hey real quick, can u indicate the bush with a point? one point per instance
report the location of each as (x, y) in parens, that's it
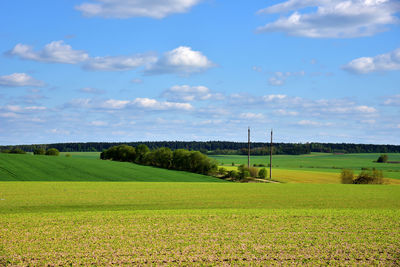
(233, 174)
(369, 177)
(262, 173)
(52, 152)
(222, 172)
(347, 176)
(68, 155)
(5, 151)
(243, 172)
(39, 151)
(253, 172)
(382, 158)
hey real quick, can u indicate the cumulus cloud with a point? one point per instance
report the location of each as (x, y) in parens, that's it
(189, 93)
(135, 8)
(54, 52)
(153, 104)
(181, 60)
(119, 63)
(332, 18)
(115, 104)
(19, 79)
(384, 62)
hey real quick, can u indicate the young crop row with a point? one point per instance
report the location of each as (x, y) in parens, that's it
(199, 237)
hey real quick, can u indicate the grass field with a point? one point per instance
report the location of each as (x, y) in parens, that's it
(86, 167)
(317, 167)
(103, 223)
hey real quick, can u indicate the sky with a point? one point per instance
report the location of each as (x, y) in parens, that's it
(198, 70)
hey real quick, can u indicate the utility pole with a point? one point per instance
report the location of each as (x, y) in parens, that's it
(248, 151)
(270, 158)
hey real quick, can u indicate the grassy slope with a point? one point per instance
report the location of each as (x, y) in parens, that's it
(316, 164)
(63, 223)
(46, 168)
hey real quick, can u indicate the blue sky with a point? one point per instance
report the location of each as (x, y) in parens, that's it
(135, 70)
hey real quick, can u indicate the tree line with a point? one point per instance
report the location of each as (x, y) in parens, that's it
(163, 157)
(220, 147)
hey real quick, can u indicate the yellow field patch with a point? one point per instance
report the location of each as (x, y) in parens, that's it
(307, 177)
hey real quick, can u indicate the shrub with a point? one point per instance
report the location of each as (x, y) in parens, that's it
(382, 158)
(233, 163)
(222, 172)
(253, 172)
(68, 155)
(369, 177)
(39, 151)
(233, 174)
(347, 176)
(262, 173)
(6, 151)
(52, 152)
(243, 172)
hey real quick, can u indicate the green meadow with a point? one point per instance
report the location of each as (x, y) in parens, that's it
(86, 167)
(317, 167)
(124, 223)
(80, 210)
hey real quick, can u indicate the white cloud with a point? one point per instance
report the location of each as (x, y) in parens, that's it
(384, 62)
(251, 116)
(333, 18)
(137, 81)
(189, 93)
(115, 104)
(393, 101)
(8, 115)
(55, 52)
(153, 104)
(19, 79)
(91, 90)
(119, 63)
(279, 78)
(269, 98)
(313, 123)
(99, 123)
(286, 112)
(135, 8)
(181, 60)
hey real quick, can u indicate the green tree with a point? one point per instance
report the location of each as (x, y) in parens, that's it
(163, 157)
(141, 151)
(382, 158)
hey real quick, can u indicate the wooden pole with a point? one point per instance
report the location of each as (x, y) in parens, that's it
(270, 158)
(248, 151)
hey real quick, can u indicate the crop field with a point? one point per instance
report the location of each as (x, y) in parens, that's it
(125, 223)
(86, 167)
(317, 167)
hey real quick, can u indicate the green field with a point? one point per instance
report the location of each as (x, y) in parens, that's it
(317, 167)
(103, 223)
(86, 167)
